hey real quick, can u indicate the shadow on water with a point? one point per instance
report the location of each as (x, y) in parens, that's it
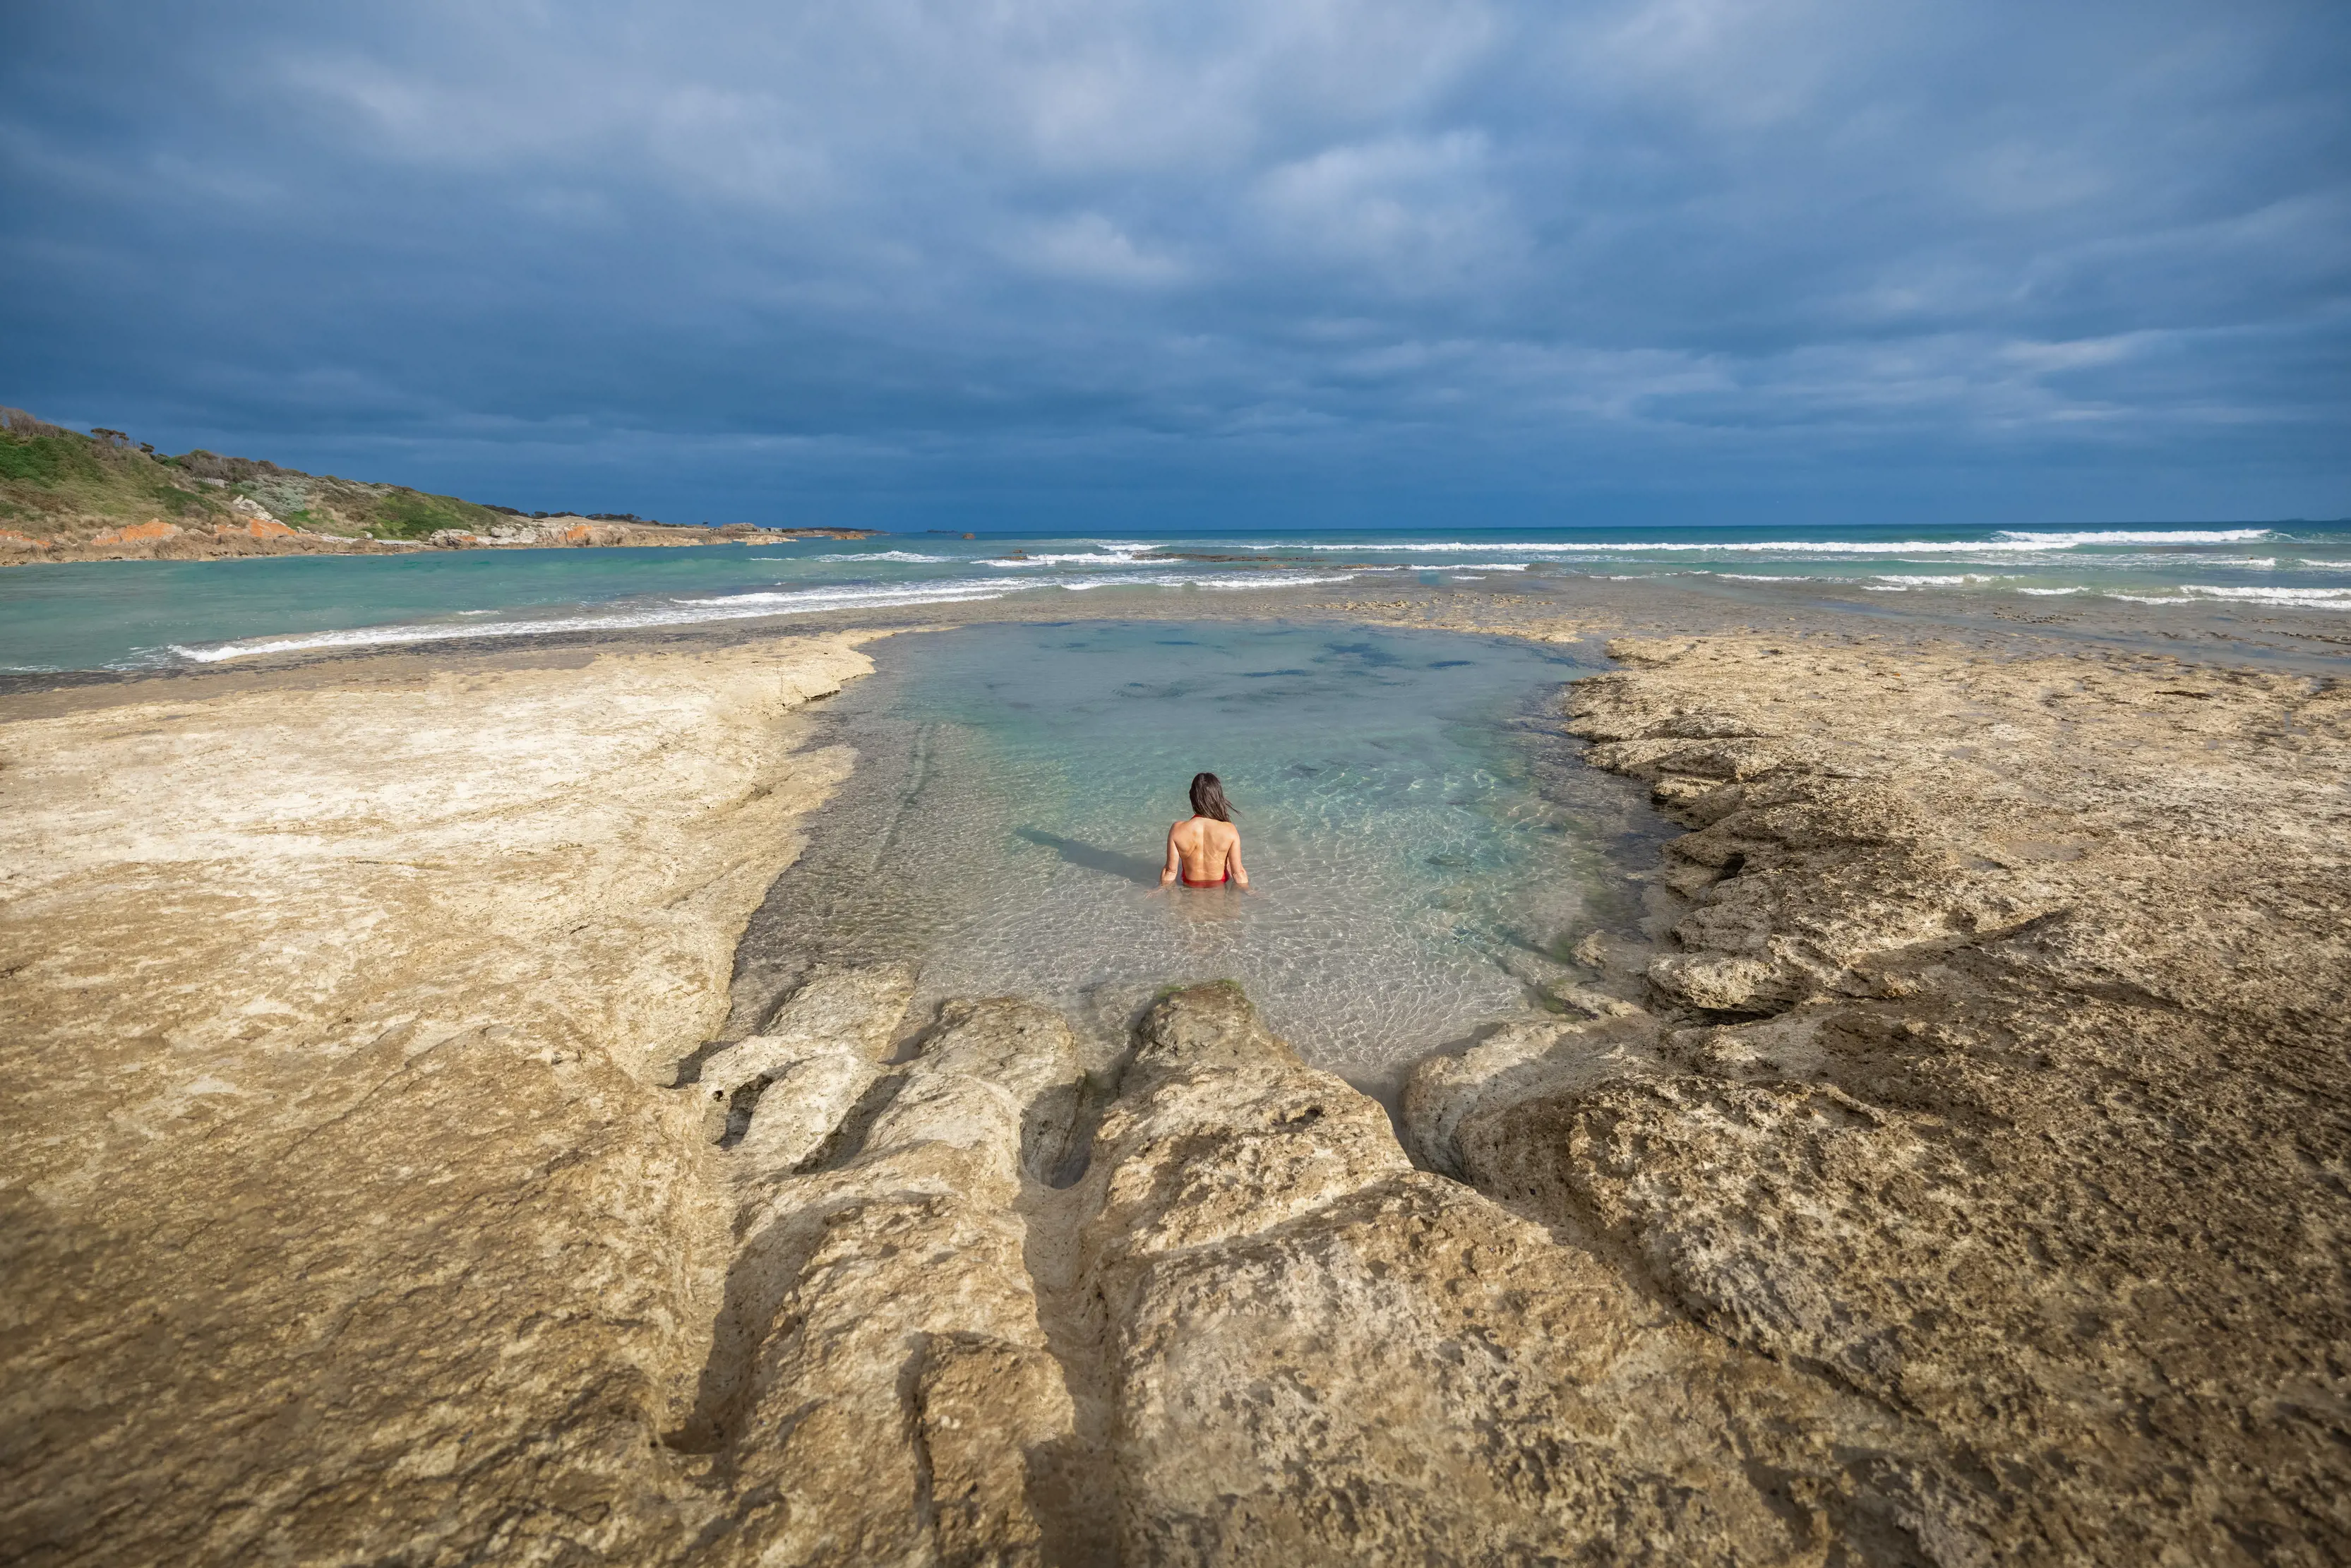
(1128, 867)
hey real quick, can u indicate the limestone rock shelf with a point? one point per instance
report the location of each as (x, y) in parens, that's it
(1997, 1071)
(1951, 1169)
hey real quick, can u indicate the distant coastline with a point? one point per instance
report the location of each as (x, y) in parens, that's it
(69, 497)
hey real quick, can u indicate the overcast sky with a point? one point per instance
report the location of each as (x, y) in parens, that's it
(1092, 264)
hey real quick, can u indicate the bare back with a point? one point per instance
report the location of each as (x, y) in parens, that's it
(1204, 851)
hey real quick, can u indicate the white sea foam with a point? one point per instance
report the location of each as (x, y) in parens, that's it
(2199, 593)
(2271, 592)
(1191, 580)
(733, 607)
(1103, 555)
(2005, 542)
(674, 613)
(859, 596)
(2314, 598)
(1948, 579)
(2038, 540)
(879, 555)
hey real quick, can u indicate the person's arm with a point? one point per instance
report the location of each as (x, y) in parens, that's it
(1233, 861)
(1175, 866)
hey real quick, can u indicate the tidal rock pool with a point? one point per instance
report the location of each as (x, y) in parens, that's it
(1422, 841)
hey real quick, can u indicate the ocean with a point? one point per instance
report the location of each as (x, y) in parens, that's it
(134, 615)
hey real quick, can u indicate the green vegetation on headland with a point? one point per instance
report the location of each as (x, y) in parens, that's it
(61, 484)
(67, 495)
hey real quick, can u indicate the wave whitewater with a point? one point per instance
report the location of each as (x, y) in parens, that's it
(2012, 541)
(81, 618)
(733, 607)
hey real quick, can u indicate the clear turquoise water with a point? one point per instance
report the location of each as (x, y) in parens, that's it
(1422, 842)
(130, 615)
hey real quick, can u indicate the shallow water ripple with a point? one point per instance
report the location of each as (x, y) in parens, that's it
(1420, 852)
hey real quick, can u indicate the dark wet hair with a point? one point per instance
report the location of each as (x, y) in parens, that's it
(1209, 798)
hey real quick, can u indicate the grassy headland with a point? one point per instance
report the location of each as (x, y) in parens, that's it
(63, 486)
(65, 496)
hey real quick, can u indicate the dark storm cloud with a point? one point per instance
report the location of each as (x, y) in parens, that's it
(1042, 261)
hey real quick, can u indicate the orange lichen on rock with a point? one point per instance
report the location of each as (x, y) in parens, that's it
(10, 538)
(579, 534)
(137, 533)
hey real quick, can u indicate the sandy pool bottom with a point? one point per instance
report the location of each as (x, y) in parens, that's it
(1423, 844)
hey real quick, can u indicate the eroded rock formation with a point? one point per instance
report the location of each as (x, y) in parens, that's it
(1952, 1171)
(1252, 1332)
(344, 1215)
(878, 1387)
(1999, 1070)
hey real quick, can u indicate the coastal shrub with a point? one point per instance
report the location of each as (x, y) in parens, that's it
(17, 421)
(414, 514)
(72, 479)
(282, 495)
(206, 464)
(47, 460)
(179, 503)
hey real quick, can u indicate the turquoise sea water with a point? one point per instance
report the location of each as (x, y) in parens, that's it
(1422, 842)
(131, 615)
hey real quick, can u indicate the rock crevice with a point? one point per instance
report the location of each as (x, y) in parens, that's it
(1993, 1068)
(1950, 1171)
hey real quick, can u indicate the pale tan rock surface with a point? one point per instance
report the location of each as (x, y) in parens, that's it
(1952, 1171)
(2025, 1101)
(824, 1043)
(879, 1386)
(1320, 1354)
(1253, 1332)
(342, 1221)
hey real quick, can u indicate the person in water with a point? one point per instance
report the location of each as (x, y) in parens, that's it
(1205, 851)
